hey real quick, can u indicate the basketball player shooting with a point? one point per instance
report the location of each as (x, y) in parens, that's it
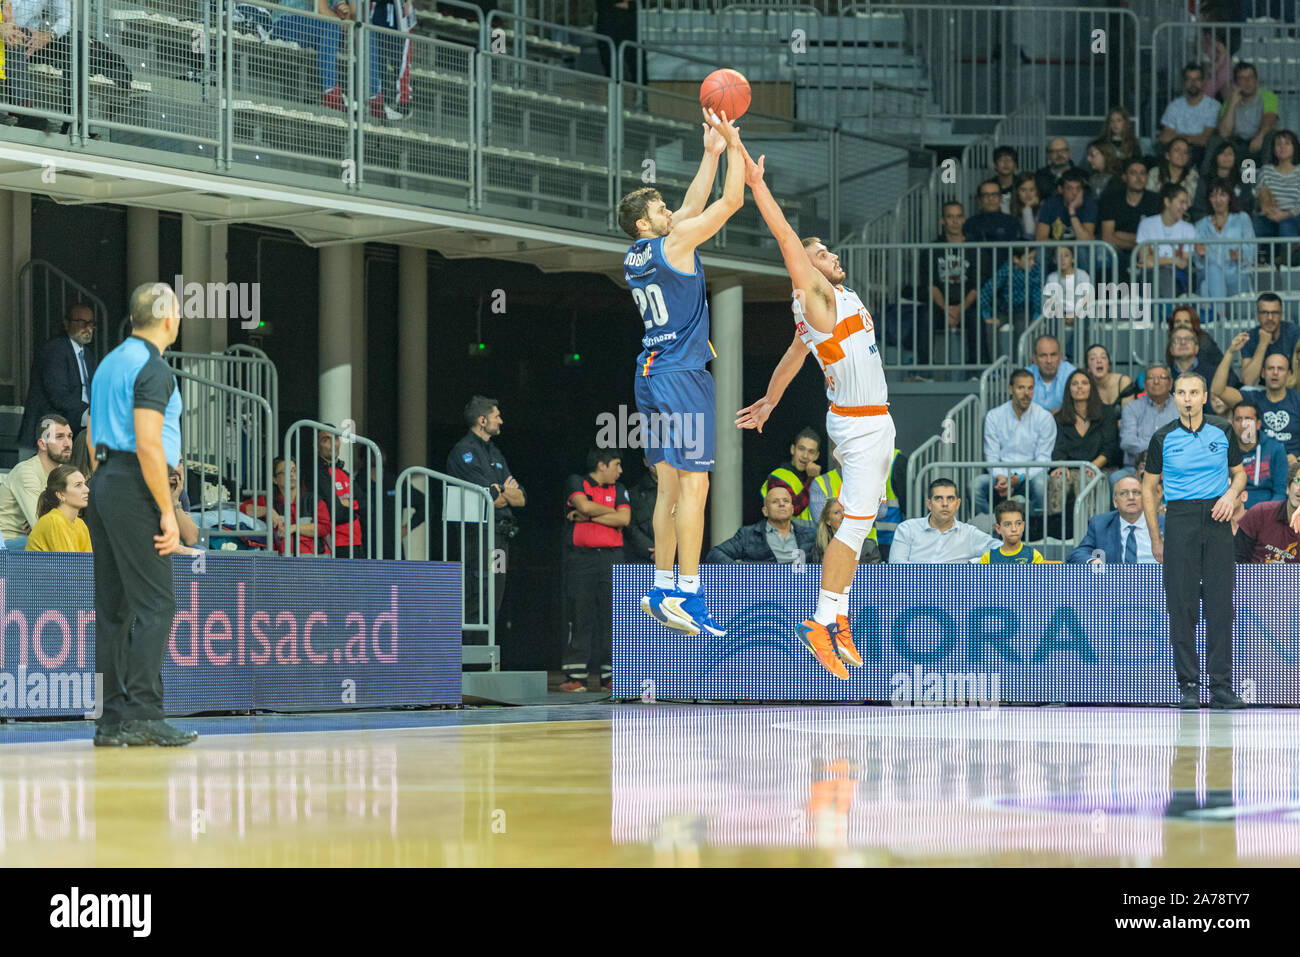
(674, 390)
(832, 324)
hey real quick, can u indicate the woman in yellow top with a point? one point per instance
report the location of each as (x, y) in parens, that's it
(59, 527)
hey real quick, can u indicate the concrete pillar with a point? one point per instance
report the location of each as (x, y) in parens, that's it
(335, 335)
(15, 252)
(142, 248)
(218, 272)
(412, 357)
(726, 328)
(357, 318)
(196, 335)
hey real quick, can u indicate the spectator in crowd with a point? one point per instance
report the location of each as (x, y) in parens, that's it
(40, 35)
(1248, 117)
(321, 34)
(776, 537)
(829, 523)
(60, 527)
(639, 535)
(1103, 166)
(1176, 168)
(1223, 165)
(1263, 457)
(1048, 178)
(598, 510)
(1050, 373)
(291, 534)
(1013, 297)
(1068, 293)
(1225, 270)
(1009, 524)
(1279, 195)
(1279, 406)
(1143, 416)
(1005, 163)
(1071, 215)
(21, 489)
(1085, 431)
(991, 225)
(333, 487)
(1026, 201)
(1119, 537)
(1270, 531)
(1186, 358)
(1193, 116)
(383, 500)
(951, 280)
(1218, 80)
(1123, 210)
(476, 458)
(939, 537)
(189, 531)
(1018, 430)
(1119, 130)
(1168, 238)
(1185, 317)
(390, 82)
(1273, 336)
(823, 488)
(1115, 389)
(61, 377)
(797, 475)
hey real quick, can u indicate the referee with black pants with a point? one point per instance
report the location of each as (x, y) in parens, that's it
(135, 413)
(1199, 461)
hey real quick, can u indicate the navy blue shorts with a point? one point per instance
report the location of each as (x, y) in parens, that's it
(678, 419)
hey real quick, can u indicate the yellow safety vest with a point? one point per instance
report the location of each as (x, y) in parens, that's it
(889, 515)
(791, 478)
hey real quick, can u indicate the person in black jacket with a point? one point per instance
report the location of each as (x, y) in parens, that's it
(57, 383)
(639, 536)
(776, 538)
(1086, 431)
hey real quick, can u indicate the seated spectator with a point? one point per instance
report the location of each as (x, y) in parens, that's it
(1071, 215)
(1122, 210)
(777, 537)
(1012, 298)
(1175, 168)
(1279, 194)
(1115, 389)
(1248, 116)
(1120, 131)
(1143, 416)
(1225, 270)
(1025, 204)
(1103, 166)
(1067, 293)
(1050, 372)
(796, 476)
(1005, 161)
(1018, 430)
(60, 527)
(1085, 431)
(1263, 457)
(1186, 358)
(189, 532)
(639, 536)
(1273, 336)
(1009, 524)
(1280, 406)
(63, 371)
(290, 534)
(1168, 238)
(22, 488)
(1270, 531)
(991, 225)
(333, 486)
(939, 537)
(1194, 116)
(1218, 80)
(1185, 317)
(1048, 178)
(1223, 165)
(1121, 537)
(322, 35)
(829, 523)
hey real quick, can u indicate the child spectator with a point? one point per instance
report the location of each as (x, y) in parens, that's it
(1009, 523)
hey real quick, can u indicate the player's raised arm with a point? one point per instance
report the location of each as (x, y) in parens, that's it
(802, 273)
(753, 416)
(698, 193)
(686, 235)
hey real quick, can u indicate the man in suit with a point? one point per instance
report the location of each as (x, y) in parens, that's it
(61, 375)
(1121, 536)
(776, 538)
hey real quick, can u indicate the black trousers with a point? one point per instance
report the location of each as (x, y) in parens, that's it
(134, 597)
(589, 582)
(1199, 570)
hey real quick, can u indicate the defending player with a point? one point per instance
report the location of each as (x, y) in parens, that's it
(674, 390)
(832, 324)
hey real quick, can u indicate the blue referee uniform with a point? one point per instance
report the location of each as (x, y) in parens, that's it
(1195, 468)
(133, 582)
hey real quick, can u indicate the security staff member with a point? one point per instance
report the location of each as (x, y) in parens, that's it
(135, 416)
(798, 474)
(1199, 462)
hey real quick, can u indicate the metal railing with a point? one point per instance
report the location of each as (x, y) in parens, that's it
(425, 497)
(241, 367)
(44, 295)
(1024, 128)
(344, 521)
(994, 382)
(227, 437)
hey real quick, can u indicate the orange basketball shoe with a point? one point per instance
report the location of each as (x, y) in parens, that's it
(844, 642)
(817, 639)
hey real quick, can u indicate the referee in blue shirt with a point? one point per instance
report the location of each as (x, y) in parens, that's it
(135, 415)
(1199, 461)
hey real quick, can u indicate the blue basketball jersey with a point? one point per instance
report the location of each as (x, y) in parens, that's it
(673, 307)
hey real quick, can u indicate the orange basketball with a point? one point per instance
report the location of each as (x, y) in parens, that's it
(725, 91)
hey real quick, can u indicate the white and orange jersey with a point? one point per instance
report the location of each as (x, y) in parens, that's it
(848, 355)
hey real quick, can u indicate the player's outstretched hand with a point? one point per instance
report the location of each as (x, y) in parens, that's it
(714, 142)
(724, 127)
(753, 171)
(753, 416)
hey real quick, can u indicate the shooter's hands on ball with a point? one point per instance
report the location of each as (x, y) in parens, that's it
(753, 416)
(724, 127)
(714, 142)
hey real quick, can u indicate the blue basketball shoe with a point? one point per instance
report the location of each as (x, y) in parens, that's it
(694, 608)
(664, 606)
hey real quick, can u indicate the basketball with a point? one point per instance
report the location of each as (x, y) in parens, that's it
(725, 91)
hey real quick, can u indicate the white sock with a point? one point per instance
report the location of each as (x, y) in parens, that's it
(827, 602)
(844, 602)
(664, 579)
(688, 583)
